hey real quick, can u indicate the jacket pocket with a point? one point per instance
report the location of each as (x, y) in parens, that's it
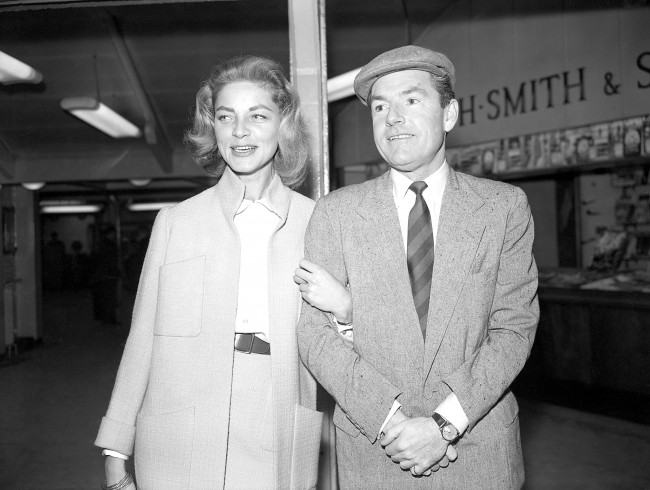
(506, 410)
(163, 449)
(308, 425)
(341, 421)
(180, 298)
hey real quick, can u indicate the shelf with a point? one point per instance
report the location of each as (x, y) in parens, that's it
(572, 170)
(595, 297)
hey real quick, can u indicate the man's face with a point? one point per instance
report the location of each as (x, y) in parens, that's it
(408, 123)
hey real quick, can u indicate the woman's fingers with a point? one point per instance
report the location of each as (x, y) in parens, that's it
(308, 265)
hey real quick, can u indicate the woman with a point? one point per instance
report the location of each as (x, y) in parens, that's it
(210, 392)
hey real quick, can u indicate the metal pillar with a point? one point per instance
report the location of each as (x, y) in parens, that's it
(309, 76)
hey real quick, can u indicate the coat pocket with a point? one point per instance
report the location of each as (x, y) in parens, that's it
(180, 298)
(341, 421)
(308, 425)
(163, 449)
(506, 410)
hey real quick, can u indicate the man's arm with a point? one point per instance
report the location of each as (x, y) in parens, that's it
(485, 376)
(359, 389)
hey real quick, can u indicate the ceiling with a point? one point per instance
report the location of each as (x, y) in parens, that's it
(169, 47)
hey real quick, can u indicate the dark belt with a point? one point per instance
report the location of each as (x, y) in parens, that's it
(251, 344)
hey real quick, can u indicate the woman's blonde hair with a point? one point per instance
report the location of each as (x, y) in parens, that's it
(290, 161)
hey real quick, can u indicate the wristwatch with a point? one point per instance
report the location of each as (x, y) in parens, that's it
(447, 429)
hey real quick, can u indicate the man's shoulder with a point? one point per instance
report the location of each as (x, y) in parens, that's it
(490, 189)
(353, 193)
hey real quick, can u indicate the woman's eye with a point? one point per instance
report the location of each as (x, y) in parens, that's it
(259, 117)
(224, 118)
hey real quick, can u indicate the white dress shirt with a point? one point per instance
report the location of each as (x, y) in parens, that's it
(255, 222)
(450, 408)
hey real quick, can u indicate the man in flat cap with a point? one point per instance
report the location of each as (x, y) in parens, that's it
(443, 283)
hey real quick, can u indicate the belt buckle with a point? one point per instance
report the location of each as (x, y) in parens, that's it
(250, 347)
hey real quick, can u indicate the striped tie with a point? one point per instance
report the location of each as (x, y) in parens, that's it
(419, 253)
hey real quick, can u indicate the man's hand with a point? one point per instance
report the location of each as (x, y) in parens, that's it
(417, 444)
(323, 291)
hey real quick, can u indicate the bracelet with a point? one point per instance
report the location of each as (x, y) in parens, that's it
(120, 485)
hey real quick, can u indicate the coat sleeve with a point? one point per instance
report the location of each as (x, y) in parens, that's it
(486, 375)
(117, 429)
(364, 395)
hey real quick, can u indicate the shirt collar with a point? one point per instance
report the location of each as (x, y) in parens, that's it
(246, 203)
(436, 182)
(230, 193)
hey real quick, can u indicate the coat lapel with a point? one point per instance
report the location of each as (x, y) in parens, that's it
(460, 229)
(382, 235)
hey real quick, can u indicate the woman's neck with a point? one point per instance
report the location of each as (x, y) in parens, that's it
(257, 183)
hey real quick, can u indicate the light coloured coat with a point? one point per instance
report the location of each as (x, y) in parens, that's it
(171, 398)
(482, 319)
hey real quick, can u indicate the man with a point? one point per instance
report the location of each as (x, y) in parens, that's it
(444, 295)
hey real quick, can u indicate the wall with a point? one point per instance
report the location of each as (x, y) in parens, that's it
(28, 286)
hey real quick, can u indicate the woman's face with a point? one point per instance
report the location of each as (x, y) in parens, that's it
(246, 125)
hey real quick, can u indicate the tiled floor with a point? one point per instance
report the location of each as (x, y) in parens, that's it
(52, 398)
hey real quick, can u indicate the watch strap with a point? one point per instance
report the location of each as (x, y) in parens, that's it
(445, 426)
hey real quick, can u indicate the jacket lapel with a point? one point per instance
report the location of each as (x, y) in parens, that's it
(460, 229)
(382, 236)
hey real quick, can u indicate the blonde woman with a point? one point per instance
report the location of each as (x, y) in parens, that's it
(211, 392)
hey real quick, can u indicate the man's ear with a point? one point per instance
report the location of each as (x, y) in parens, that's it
(451, 115)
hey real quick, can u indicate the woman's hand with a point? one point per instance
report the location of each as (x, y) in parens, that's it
(115, 469)
(323, 291)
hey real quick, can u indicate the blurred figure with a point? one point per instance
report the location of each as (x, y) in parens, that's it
(104, 278)
(135, 259)
(78, 267)
(53, 262)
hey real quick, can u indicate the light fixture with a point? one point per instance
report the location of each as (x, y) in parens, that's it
(15, 71)
(71, 209)
(33, 186)
(341, 86)
(140, 182)
(93, 112)
(60, 202)
(148, 206)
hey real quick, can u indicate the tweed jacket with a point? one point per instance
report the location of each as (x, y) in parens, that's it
(482, 319)
(171, 399)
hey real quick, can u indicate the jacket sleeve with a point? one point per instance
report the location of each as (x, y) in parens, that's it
(358, 388)
(486, 375)
(117, 429)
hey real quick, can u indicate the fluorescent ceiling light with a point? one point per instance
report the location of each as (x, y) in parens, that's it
(65, 202)
(140, 182)
(33, 186)
(341, 86)
(77, 209)
(15, 71)
(93, 112)
(148, 206)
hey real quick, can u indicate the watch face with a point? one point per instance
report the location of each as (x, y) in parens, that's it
(449, 432)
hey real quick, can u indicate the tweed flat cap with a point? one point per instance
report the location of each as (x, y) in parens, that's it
(398, 59)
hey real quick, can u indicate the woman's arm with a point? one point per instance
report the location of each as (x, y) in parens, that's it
(323, 291)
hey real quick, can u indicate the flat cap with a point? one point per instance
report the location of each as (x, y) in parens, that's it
(398, 59)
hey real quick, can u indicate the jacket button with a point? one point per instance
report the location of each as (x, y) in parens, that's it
(428, 394)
